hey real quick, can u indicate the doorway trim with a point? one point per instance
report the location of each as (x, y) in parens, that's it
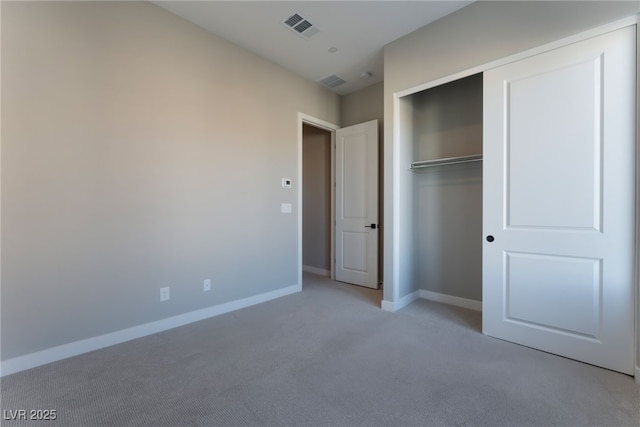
(330, 127)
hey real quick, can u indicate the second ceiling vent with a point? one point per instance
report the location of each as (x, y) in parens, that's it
(332, 81)
(300, 25)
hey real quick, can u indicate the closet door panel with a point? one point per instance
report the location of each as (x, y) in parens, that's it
(563, 136)
(558, 201)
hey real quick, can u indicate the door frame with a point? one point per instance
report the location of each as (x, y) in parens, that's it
(331, 128)
(396, 158)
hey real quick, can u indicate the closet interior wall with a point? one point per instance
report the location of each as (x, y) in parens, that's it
(446, 232)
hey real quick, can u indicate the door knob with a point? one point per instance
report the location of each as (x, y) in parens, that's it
(490, 238)
(372, 226)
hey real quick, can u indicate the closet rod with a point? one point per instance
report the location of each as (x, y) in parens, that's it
(445, 161)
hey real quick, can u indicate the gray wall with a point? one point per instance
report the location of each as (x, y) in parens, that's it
(362, 106)
(447, 200)
(316, 198)
(139, 151)
(475, 35)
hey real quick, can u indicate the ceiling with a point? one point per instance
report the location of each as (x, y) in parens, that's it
(358, 30)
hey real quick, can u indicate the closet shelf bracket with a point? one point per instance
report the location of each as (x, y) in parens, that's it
(445, 161)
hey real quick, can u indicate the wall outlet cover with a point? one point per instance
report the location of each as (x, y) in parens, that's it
(164, 294)
(286, 208)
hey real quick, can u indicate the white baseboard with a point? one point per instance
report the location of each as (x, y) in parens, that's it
(432, 296)
(387, 306)
(64, 351)
(401, 303)
(316, 270)
(637, 376)
(451, 300)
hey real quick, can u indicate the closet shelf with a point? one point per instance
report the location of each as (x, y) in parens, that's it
(445, 161)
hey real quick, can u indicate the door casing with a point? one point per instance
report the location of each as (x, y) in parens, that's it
(330, 127)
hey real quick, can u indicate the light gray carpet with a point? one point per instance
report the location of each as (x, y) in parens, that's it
(327, 356)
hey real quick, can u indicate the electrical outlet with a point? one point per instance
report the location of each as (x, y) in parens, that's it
(207, 285)
(164, 294)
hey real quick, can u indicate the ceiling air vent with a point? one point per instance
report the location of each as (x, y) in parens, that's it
(300, 25)
(332, 81)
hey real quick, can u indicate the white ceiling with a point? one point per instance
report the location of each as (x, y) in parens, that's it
(358, 29)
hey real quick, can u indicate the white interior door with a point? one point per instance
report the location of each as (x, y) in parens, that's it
(559, 170)
(357, 204)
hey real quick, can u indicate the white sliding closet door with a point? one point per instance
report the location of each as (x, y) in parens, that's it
(558, 214)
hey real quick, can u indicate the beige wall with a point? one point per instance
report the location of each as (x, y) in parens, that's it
(316, 198)
(475, 35)
(139, 151)
(362, 106)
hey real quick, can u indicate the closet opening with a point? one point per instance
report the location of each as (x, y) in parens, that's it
(442, 133)
(553, 263)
